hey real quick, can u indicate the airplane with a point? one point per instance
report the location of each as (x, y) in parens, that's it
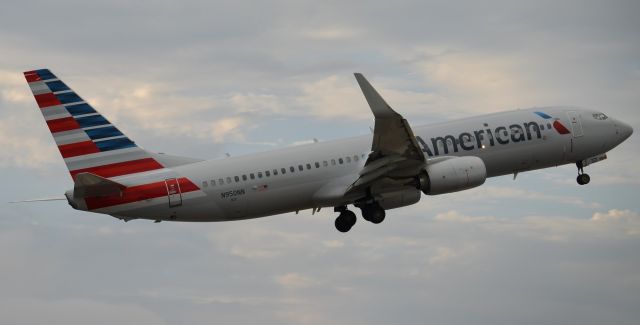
(389, 169)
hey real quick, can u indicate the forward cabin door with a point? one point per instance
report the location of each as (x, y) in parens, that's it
(173, 192)
(576, 124)
(576, 145)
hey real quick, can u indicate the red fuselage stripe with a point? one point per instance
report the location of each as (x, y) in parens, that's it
(121, 168)
(139, 193)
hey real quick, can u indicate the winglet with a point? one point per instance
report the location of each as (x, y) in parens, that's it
(378, 105)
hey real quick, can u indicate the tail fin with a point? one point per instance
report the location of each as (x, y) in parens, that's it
(87, 142)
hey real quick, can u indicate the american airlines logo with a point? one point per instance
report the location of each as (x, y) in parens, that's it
(500, 135)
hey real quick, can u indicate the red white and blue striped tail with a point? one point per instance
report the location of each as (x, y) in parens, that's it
(87, 141)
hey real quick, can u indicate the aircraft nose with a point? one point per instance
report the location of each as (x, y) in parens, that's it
(625, 130)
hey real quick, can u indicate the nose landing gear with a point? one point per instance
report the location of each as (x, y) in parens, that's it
(582, 179)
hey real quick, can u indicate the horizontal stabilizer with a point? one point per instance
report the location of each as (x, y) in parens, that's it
(91, 185)
(57, 198)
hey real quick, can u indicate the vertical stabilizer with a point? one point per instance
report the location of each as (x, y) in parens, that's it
(87, 141)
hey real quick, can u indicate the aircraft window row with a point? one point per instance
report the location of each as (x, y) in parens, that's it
(282, 171)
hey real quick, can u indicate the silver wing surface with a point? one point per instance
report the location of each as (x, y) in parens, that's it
(395, 159)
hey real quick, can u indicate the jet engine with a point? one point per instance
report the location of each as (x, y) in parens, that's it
(452, 175)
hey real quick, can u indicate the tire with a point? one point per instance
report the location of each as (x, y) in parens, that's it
(585, 179)
(373, 213)
(345, 221)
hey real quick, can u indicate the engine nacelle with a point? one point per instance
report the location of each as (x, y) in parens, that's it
(396, 199)
(452, 175)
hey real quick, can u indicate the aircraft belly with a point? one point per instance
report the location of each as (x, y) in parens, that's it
(283, 199)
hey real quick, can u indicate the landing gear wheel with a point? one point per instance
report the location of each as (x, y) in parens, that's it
(345, 221)
(583, 179)
(373, 213)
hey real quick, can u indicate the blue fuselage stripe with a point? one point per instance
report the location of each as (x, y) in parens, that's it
(543, 115)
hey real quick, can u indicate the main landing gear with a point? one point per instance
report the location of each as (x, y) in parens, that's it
(345, 220)
(582, 179)
(371, 212)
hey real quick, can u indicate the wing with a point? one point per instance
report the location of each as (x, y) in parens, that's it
(395, 155)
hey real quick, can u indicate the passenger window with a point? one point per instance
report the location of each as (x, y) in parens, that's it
(284, 171)
(267, 173)
(325, 163)
(228, 180)
(348, 159)
(340, 161)
(333, 162)
(220, 181)
(205, 184)
(355, 157)
(244, 177)
(236, 178)
(213, 182)
(542, 127)
(549, 126)
(252, 176)
(300, 168)
(275, 172)
(259, 174)
(292, 169)
(317, 164)
(308, 166)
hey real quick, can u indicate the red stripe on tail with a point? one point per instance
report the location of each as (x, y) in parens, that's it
(46, 100)
(121, 168)
(78, 149)
(31, 76)
(63, 124)
(139, 193)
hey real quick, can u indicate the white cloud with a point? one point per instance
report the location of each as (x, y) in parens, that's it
(503, 192)
(455, 216)
(331, 33)
(295, 280)
(333, 97)
(24, 148)
(74, 311)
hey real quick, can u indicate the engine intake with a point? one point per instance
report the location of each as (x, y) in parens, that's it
(452, 175)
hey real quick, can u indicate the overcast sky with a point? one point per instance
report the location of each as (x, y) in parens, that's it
(207, 78)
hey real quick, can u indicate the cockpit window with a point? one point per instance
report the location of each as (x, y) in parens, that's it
(599, 116)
